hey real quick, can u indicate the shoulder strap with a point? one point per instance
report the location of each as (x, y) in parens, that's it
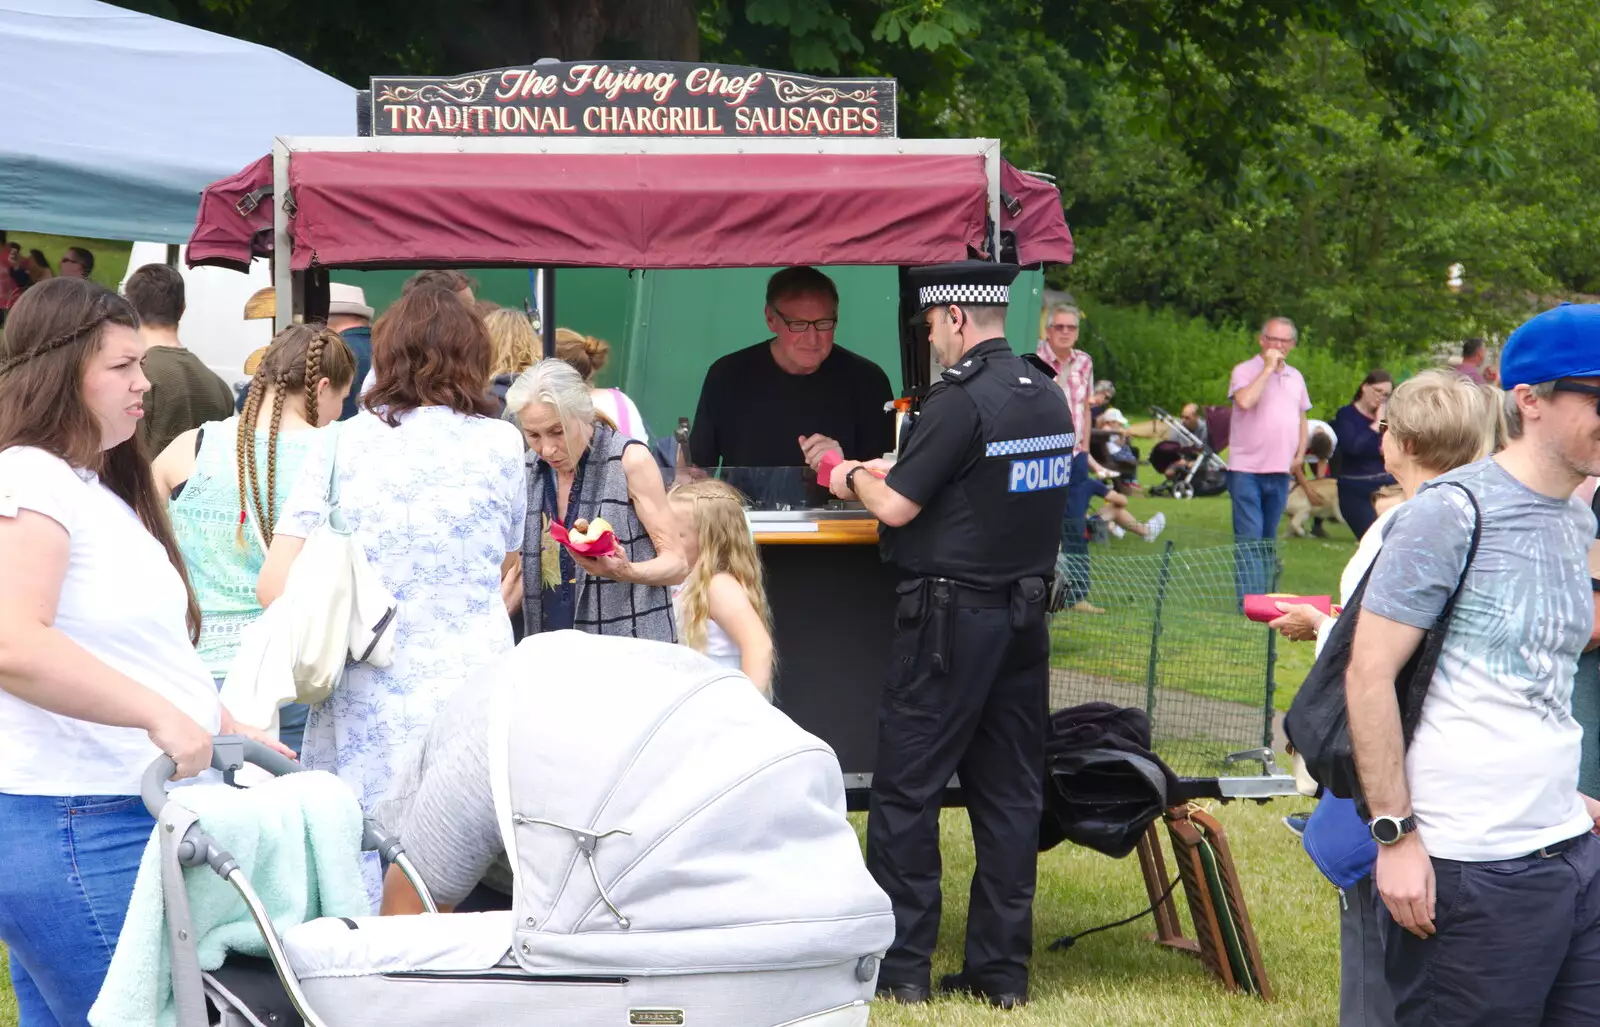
(1472, 549)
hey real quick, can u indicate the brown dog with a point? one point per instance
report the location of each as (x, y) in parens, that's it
(1321, 499)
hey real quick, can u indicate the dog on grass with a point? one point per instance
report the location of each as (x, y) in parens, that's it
(1318, 498)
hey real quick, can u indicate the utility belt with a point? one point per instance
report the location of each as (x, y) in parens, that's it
(934, 601)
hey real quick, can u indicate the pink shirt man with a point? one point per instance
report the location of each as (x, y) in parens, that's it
(1075, 375)
(1266, 438)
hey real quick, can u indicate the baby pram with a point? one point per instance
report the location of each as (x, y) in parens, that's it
(1207, 474)
(720, 884)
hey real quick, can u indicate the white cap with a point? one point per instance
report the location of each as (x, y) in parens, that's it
(349, 300)
(1113, 416)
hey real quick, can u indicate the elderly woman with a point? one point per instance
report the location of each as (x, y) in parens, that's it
(581, 466)
(1434, 423)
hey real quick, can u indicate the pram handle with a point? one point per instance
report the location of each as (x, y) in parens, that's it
(229, 753)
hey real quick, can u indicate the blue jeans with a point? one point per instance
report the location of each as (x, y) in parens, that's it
(1258, 502)
(70, 863)
(1074, 544)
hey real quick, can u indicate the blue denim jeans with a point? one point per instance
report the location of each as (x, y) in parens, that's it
(69, 866)
(1258, 502)
(1074, 546)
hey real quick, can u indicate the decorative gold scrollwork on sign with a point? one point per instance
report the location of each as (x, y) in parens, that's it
(463, 90)
(789, 91)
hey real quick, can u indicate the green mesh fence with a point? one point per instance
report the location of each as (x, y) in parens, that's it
(1172, 641)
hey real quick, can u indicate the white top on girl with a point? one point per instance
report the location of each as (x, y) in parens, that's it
(720, 646)
(124, 603)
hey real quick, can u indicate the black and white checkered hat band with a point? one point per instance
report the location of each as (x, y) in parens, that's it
(993, 295)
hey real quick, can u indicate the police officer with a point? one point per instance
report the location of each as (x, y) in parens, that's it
(971, 514)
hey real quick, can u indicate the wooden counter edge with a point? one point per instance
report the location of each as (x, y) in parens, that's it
(828, 533)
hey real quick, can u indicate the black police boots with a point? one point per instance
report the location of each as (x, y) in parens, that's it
(958, 984)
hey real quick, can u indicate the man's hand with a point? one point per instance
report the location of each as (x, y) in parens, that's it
(840, 473)
(812, 447)
(511, 587)
(1592, 807)
(1274, 359)
(1405, 880)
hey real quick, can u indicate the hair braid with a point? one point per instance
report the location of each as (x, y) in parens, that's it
(313, 373)
(248, 478)
(279, 391)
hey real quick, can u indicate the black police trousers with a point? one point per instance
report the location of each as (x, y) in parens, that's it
(984, 719)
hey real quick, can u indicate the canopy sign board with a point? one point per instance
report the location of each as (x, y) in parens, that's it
(651, 98)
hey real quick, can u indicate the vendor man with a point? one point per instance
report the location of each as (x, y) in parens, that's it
(971, 517)
(789, 400)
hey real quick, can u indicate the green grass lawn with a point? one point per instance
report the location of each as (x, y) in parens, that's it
(1311, 566)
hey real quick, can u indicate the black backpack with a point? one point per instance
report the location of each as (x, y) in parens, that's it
(1318, 721)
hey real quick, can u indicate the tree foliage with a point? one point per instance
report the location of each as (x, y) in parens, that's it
(1327, 159)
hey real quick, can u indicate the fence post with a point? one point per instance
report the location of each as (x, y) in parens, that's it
(1155, 634)
(1272, 652)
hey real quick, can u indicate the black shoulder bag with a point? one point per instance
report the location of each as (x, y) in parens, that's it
(1318, 721)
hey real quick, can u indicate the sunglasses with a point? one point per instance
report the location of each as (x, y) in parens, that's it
(1592, 391)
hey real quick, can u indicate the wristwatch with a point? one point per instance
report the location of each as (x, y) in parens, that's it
(1388, 830)
(850, 478)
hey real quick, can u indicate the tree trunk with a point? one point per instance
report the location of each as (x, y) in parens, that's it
(499, 33)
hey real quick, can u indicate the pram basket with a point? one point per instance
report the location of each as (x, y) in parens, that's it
(229, 754)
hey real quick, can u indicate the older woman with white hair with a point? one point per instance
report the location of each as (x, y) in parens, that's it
(581, 467)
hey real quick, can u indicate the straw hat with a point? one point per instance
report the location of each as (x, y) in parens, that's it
(349, 300)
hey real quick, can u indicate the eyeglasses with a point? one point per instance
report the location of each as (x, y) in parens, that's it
(821, 324)
(1592, 391)
(1383, 428)
(1063, 328)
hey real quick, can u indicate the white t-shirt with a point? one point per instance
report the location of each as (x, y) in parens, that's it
(121, 600)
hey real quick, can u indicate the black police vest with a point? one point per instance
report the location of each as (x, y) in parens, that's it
(999, 519)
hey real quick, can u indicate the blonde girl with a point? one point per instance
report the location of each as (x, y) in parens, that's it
(722, 605)
(515, 348)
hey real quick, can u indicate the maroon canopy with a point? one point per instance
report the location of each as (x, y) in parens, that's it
(1042, 236)
(371, 209)
(224, 235)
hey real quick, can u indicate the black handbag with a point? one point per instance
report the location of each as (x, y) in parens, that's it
(1318, 721)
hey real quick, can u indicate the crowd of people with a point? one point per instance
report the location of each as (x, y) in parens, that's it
(146, 522)
(20, 269)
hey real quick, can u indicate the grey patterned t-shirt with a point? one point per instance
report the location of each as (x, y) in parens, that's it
(1493, 767)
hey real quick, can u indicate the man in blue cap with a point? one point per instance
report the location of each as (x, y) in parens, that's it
(1487, 861)
(971, 516)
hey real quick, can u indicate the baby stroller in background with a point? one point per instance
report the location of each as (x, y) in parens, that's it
(1186, 461)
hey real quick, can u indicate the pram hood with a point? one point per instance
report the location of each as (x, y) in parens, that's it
(738, 854)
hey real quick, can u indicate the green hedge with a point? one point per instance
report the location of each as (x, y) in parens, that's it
(1157, 357)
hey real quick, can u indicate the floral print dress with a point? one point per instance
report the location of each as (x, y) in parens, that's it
(436, 503)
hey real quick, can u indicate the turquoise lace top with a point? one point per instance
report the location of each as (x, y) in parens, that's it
(205, 520)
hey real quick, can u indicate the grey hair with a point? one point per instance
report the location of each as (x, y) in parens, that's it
(1106, 388)
(1064, 308)
(1512, 414)
(1294, 333)
(558, 385)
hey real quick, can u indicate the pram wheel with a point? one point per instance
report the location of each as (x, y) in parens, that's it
(1183, 490)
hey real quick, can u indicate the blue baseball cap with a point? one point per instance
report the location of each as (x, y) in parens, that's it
(1559, 343)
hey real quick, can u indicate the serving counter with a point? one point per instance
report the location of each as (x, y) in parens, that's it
(833, 605)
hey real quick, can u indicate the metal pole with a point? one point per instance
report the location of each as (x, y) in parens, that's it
(991, 167)
(280, 958)
(282, 277)
(1155, 633)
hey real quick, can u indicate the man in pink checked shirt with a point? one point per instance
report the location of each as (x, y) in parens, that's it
(1073, 370)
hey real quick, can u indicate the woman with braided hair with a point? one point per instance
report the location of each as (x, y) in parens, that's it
(228, 479)
(98, 671)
